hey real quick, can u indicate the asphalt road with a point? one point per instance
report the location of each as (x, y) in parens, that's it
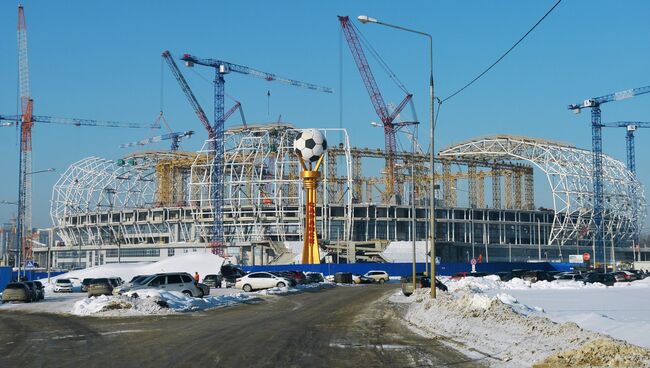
(340, 327)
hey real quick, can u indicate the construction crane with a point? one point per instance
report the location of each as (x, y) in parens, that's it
(26, 120)
(174, 136)
(77, 122)
(198, 110)
(221, 69)
(630, 127)
(24, 219)
(387, 118)
(597, 158)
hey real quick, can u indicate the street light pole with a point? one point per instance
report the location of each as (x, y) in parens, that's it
(432, 196)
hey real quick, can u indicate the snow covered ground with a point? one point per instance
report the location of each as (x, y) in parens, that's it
(516, 323)
(148, 301)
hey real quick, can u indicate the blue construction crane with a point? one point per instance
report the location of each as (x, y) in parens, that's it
(77, 122)
(174, 136)
(597, 157)
(630, 127)
(221, 69)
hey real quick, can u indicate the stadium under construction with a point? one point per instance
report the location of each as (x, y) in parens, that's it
(154, 204)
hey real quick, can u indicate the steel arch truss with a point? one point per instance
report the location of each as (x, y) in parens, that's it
(568, 170)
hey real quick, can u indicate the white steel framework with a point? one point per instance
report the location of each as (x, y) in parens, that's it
(568, 170)
(164, 197)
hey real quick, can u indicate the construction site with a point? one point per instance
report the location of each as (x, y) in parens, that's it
(241, 194)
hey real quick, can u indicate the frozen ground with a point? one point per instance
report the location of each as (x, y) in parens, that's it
(516, 324)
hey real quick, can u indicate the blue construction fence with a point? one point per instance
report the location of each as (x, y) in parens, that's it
(403, 269)
(5, 277)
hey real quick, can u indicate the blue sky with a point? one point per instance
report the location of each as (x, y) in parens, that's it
(101, 60)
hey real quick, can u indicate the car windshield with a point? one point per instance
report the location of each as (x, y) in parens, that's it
(15, 285)
(63, 281)
(99, 281)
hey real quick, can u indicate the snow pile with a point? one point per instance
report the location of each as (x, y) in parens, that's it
(600, 353)
(492, 329)
(152, 301)
(203, 263)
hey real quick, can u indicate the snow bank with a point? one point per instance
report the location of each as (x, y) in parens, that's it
(202, 262)
(491, 327)
(153, 301)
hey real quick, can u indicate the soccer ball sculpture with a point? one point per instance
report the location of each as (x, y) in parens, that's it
(310, 145)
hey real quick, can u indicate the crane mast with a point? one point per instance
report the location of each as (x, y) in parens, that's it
(24, 219)
(597, 158)
(378, 103)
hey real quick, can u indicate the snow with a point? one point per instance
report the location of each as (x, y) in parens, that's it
(204, 263)
(153, 301)
(402, 251)
(516, 323)
(148, 301)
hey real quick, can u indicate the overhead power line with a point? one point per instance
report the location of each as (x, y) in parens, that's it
(504, 55)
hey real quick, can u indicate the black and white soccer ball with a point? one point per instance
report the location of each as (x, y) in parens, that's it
(310, 145)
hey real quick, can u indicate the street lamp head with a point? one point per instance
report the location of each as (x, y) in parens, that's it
(375, 124)
(366, 19)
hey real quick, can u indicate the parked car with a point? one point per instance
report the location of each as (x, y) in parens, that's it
(640, 275)
(213, 281)
(300, 276)
(35, 295)
(287, 275)
(260, 280)
(361, 279)
(231, 273)
(624, 276)
(564, 277)
(518, 273)
(537, 275)
(41, 289)
(421, 281)
(459, 275)
(84, 284)
(598, 277)
(504, 276)
(378, 276)
(136, 279)
(171, 281)
(314, 277)
(100, 286)
(63, 286)
(17, 292)
(115, 281)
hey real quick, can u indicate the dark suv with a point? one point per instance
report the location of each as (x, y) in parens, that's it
(231, 273)
(213, 281)
(604, 278)
(537, 275)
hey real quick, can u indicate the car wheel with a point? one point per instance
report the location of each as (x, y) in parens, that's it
(201, 293)
(281, 284)
(247, 288)
(381, 281)
(187, 293)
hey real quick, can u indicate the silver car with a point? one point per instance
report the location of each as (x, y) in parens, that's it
(173, 281)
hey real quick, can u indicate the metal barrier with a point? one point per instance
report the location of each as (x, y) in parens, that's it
(404, 269)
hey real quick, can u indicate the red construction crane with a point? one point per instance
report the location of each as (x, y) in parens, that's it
(26, 121)
(24, 220)
(378, 103)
